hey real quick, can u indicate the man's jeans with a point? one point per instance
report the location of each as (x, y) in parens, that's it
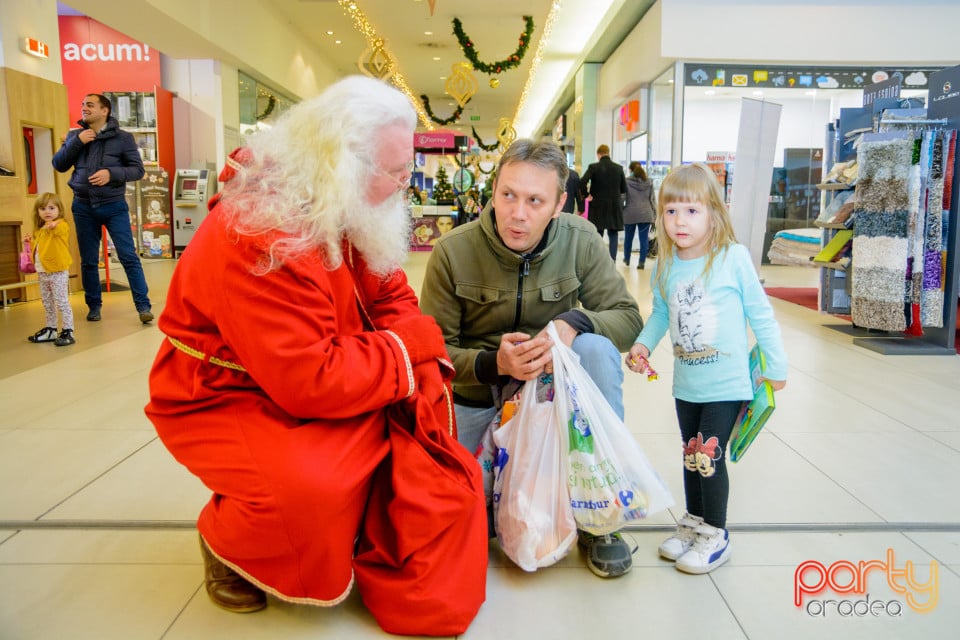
(115, 216)
(599, 358)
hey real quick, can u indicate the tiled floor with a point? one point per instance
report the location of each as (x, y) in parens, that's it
(96, 537)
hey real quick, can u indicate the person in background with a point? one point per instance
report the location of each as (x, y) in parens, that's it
(705, 291)
(638, 213)
(494, 284)
(604, 187)
(104, 158)
(574, 200)
(51, 244)
(301, 383)
(413, 195)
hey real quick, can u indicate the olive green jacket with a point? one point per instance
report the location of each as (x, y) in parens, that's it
(478, 289)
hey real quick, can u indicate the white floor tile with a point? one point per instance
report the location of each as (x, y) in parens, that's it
(149, 485)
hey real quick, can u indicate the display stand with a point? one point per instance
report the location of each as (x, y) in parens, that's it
(944, 111)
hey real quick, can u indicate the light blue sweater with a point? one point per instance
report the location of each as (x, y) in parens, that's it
(707, 319)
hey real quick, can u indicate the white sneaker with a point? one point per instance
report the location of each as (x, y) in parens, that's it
(710, 549)
(678, 544)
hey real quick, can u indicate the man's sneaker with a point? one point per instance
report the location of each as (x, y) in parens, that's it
(94, 314)
(47, 334)
(710, 549)
(65, 338)
(608, 556)
(678, 544)
(146, 317)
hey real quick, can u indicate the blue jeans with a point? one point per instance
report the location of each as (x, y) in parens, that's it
(599, 358)
(115, 216)
(642, 229)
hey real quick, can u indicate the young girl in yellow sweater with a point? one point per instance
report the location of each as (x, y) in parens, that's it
(50, 241)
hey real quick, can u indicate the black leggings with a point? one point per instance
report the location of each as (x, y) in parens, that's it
(705, 429)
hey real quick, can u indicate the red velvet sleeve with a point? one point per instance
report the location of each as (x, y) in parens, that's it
(296, 331)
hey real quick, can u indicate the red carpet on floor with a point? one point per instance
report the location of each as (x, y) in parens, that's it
(807, 297)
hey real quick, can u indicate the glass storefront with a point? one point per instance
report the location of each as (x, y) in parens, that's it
(260, 104)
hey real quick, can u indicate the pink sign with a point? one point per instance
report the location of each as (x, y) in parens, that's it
(432, 140)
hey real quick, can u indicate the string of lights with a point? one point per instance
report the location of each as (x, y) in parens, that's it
(538, 56)
(361, 24)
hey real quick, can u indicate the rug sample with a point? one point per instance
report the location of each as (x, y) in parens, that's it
(880, 245)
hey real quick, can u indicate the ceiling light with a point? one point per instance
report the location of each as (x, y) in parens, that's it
(329, 33)
(709, 92)
(758, 93)
(428, 33)
(810, 93)
(337, 41)
(436, 57)
(670, 81)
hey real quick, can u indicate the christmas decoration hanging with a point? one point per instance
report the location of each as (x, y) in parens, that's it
(480, 143)
(462, 84)
(494, 83)
(470, 52)
(453, 118)
(506, 134)
(376, 61)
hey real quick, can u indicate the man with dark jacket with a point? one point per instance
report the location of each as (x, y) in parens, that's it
(494, 284)
(574, 201)
(607, 186)
(103, 158)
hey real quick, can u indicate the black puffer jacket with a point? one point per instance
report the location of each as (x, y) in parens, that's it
(113, 149)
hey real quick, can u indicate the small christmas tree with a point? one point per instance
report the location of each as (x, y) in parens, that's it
(442, 189)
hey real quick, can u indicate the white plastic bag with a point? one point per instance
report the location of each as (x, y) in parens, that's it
(535, 526)
(611, 481)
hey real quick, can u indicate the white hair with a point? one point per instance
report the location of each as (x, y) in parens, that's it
(308, 175)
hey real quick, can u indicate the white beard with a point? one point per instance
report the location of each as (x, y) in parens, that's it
(381, 234)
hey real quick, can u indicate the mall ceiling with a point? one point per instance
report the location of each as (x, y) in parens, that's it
(420, 38)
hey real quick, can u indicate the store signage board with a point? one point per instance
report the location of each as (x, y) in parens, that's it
(96, 58)
(431, 140)
(944, 95)
(707, 75)
(886, 89)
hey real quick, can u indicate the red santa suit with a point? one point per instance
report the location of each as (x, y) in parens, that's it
(322, 425)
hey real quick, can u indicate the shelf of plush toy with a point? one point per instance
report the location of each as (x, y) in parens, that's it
(835, 186)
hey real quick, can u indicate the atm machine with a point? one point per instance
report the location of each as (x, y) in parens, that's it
(192, 188)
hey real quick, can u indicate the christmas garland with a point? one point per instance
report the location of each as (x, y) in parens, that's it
(456, 114)
(470, 52)
(486, 173)
(485, 147)
(271, 103)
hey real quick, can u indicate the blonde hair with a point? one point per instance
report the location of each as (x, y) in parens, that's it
(308, 173)
(692, 183)
(43, 200)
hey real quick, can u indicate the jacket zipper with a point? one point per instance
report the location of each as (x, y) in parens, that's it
(524, 271)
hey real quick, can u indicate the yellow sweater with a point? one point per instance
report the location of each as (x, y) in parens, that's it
(51, 247)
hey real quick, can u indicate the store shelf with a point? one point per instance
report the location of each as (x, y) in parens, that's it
(829, 225)
(835, 186)
(830, 265)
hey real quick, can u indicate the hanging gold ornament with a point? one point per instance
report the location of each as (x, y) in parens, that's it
(506, 134)
(462, 84)
(376, 61)
(494, 83)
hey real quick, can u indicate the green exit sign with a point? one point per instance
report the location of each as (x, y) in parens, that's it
(474, 118)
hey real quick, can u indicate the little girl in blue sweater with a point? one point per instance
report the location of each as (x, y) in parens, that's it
(705, 291)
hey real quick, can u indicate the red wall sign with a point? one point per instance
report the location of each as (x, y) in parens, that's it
(96, 58)
(432, 140)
